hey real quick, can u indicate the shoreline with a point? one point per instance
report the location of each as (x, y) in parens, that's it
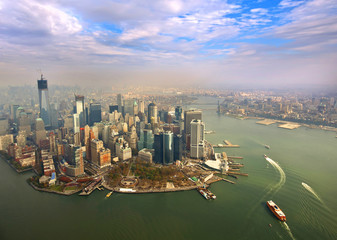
(310, 126)
(52, 191)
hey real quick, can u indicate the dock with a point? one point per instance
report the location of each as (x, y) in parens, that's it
(238, 173)
(234, 157)
(228, 144)
(226, 180)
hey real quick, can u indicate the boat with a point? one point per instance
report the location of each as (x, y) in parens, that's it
(203, 192)
(210, 194)
(267, 146)
(109, 194)
(276, 210)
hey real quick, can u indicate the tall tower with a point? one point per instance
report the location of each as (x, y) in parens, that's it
(79, 99)
(42, 86)
(119, 103)
(197, 139)
(95, 113)
(152, 113)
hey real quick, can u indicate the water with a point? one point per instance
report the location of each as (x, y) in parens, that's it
(239, 212)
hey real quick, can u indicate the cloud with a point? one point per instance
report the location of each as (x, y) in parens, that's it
(290, 3)
(113, 37)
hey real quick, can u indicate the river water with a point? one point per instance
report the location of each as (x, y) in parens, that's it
(301, 178)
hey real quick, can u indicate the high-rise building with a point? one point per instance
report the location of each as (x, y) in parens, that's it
(96, 146)
(178, 147)
(76, 118)
(145, 139)
(95, 113)
(130, 107)
(141, 106)
(5, 141)
(113, 108)
(197, 139)
(123, 151)
(179, 113)
(14, 108)
(168, 148)
(52, 143)
(44, 101)
(188, 117)
(40, 131)
(80, 109)
(152, 113)
(74, 156)
(120, 103)
(3, 125)
(164, 147)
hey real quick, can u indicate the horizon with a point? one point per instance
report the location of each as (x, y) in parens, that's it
(219, 44)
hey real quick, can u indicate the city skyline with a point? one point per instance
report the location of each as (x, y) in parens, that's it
(219, 43)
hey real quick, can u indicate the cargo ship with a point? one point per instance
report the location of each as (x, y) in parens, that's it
(276, 210)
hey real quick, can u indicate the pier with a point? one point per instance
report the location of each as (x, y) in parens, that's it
(234, 157)
(228, 144)
(238, 173)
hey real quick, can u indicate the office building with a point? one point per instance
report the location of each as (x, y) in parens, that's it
(146, 139)
(40, 132)
(5, 141)
(152, 114)
(179, 113)
(123, 151)
(197, 139)
(188, 117)
(3, 125)
(80, 109)
(146, 155)
(77, 122)
(95, 146)
(113, 108)
(164, 147)
(120, 103)
(95, 113)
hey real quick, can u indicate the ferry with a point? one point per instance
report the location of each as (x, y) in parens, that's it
(267, 146)
(109, 194)
(203, 192)
(276, 210)
(210, 194)
(206, 193)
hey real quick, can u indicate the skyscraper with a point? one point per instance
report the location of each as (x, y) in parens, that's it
(152, 114)
(164, 146)
(79, 107)
(95, 113)
(197, 138)
(44, 101)
(119, 103)
(40, 132)
(188, 117)
(178, 113)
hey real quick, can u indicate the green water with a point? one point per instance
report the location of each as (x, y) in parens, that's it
(239, 212)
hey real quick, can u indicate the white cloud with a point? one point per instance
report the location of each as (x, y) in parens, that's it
(289, 3)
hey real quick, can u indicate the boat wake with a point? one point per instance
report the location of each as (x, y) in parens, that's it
(307, 187)
(285, 225)
(282, 175)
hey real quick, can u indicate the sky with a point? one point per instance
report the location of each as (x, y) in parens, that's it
(192, 43)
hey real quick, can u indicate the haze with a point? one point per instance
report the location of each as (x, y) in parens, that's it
(200, 43)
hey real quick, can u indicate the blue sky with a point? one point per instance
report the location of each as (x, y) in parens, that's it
(203, 42)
